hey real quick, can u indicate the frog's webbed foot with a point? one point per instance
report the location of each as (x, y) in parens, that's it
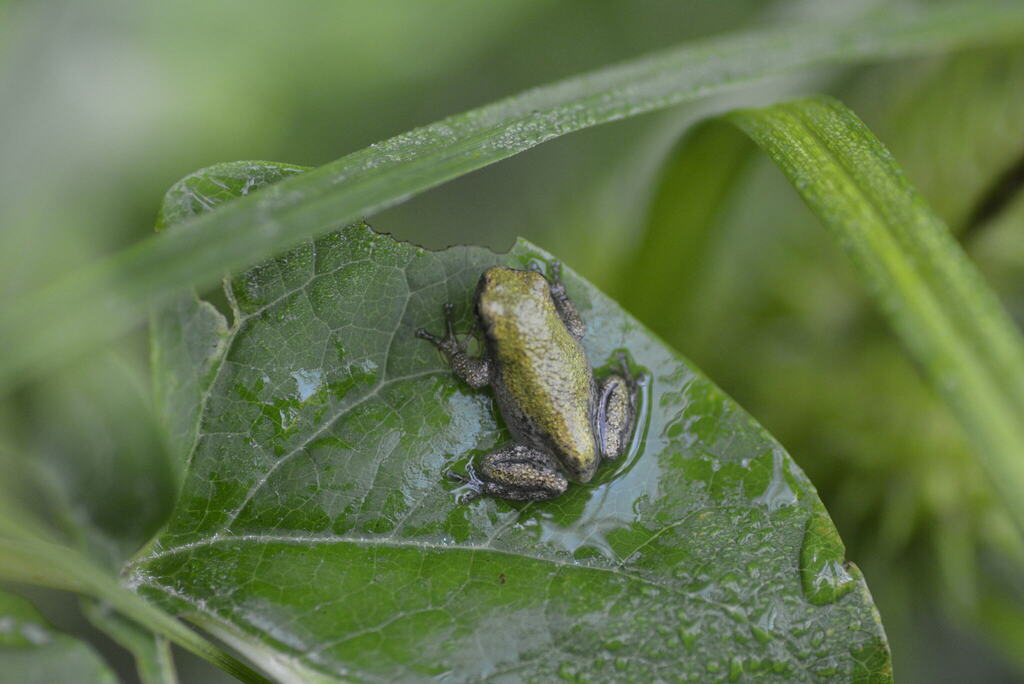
(475, 372)
(566, 309)
(516, 473)
(616, 411)
(475, 485)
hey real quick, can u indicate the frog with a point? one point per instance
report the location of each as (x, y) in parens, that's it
(564, 421)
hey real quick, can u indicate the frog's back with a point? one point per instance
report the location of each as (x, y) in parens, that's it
(543, 381)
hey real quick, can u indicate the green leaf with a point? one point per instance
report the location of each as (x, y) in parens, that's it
(317, 533)
(32, 652)
(191, 333)
(949, 320)
(101, 301)
(776, 305)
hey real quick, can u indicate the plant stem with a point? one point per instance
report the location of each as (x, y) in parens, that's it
(60, 567)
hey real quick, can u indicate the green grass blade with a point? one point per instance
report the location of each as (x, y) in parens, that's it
(701, 174)
(44, 563)
(154, 661)
(97, 303)
(949, 319)
(31, 553)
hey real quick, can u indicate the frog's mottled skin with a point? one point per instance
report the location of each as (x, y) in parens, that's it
(563, 421)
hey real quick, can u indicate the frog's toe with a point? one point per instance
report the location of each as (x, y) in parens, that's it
(469, 496)
(449, 320)
(424, 334)
(474, 487)
(457, 477)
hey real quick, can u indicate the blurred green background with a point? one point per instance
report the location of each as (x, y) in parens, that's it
(104, 104)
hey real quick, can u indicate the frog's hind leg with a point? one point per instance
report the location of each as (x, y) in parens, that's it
(475, 372)
(616, 411)
(517, 473)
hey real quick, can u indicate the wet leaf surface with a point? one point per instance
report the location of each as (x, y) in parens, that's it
(317, 531)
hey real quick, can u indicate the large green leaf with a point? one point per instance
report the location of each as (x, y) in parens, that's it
(317, 532)
(32, 652)
(99, 302)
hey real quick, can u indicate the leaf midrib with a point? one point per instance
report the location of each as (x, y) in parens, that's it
(142, 578)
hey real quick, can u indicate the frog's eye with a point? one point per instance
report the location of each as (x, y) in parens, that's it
(493, 276)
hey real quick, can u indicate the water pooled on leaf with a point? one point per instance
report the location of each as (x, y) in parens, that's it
(822, 570)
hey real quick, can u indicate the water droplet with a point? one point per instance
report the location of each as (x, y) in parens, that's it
(688, 637)
(735, 669)
(308, 382)
(823, 576)
(778, 493)
(615, 644)
(35, 634)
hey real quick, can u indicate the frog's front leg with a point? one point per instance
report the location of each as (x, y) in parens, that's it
(517, 473)
(476, 372)
(566, 309)
(616, 411)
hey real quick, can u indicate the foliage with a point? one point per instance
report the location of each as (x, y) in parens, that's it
(302, 437)
(33, 652)
(324, 431)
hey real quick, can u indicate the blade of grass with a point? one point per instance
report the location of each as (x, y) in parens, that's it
(97, 303)
(701, 173)
(19, 557)
(153, 659)
(949, 319)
